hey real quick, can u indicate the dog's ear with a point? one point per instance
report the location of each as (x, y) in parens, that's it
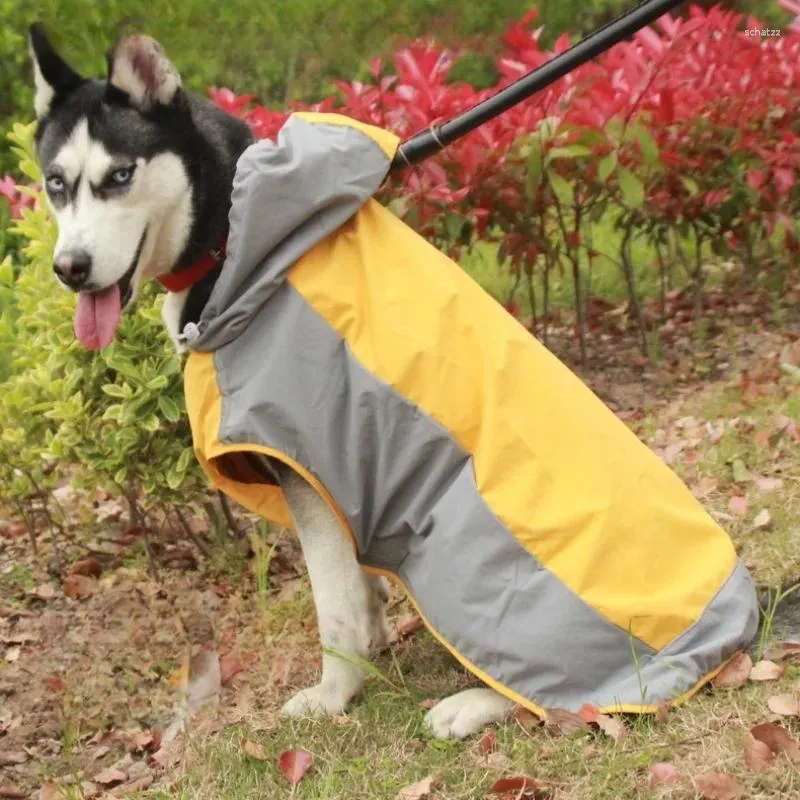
(53, 77)
(139, 67)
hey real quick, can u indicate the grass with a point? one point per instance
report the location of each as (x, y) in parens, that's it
(382, 745)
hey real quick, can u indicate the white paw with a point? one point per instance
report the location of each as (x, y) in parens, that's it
(465, 713)
(322, 700)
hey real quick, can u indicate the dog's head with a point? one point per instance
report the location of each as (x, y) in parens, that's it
(114, 172)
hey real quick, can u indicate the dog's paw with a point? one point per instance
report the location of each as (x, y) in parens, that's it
(322, 700)
(465, 713)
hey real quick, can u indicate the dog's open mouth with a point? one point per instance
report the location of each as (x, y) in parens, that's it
(97, 314)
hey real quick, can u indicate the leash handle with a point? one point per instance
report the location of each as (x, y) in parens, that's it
(434, 139)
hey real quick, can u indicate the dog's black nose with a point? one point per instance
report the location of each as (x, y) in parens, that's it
(73, 268)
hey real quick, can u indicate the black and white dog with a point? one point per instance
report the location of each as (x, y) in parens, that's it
(138, 174)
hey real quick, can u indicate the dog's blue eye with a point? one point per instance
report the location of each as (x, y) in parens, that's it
(122, 176)
(55, 184)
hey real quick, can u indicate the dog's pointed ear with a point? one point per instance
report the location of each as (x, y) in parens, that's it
(52, 76)
(139, 67)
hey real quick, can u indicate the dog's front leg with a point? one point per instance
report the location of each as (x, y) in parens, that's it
(350, 610)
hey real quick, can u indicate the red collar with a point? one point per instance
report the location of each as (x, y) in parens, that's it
(183, 279)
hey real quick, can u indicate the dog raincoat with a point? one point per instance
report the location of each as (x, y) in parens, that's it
(543, 544)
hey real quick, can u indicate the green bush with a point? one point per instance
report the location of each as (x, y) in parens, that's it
(117, 414)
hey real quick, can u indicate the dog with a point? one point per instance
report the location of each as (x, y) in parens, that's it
(138, 174)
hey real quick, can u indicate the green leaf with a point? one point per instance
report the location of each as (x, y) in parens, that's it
(607, 165)
(169, 408)
(647, 144)
(115, 390)
(562, 188)
(632, 188)
(569, 151)
(690, 184)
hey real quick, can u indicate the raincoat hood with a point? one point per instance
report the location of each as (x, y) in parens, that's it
(288, 196)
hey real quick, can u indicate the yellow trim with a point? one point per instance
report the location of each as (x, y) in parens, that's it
(388, 141)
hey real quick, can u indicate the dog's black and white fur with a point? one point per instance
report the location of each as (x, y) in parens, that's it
(138, 174)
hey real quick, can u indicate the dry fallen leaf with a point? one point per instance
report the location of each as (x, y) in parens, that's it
(488, 742)
(12, 793)
(79, 587)
(611, 726)
(10, 758)
(787, 705)
(229, 665)
(50, 791)
(563, 721)
(110, 776)
(527, 720)
(783, 651)
(735, 673)
(406, 627)
(294, 764)
(738, 505)
(43, 592)
(763, 519)
(90, 567)
(768, 484)
(718, 786)
(757, 754)
(521, 788)
(777, 739)
(766, 671)
(417, 791)
(255, 750)
(662, 774)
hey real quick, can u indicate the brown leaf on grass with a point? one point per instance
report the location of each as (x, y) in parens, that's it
(786, 705)
(110, 777)
(768, 484)
(783, 651)
(757, 754)
(255, 750)
(777, 739)
(79, 587)
(90, 567)
(763, 519)
(50, 791)
(56, 684)
(12, 793)
(43, 592)
(662, 774)
(563, 721)
(611, 726)
(735, 673)
(488, 742)
(766, 671)
(738, 505)
(662, 713)
(406, 627)
(13, 654)
(229, 665)
(704, 487)
(526, 719)
(136, 741)
(293, 764)
(521, 788)
(718, 786)
(11, 758)
(428, 703)
(417, 791)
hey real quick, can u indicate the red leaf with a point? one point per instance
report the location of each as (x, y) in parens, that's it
(523, 787)
(12, 793)
(777, 739)
(90, 567)
(488, 742)
(229, 665)
(294, 764)
(757, 754)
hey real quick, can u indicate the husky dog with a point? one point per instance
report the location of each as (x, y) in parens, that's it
(138, 174)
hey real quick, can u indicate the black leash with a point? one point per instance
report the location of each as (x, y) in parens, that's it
(425, 143)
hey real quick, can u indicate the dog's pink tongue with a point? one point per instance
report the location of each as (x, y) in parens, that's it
(97, 316)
